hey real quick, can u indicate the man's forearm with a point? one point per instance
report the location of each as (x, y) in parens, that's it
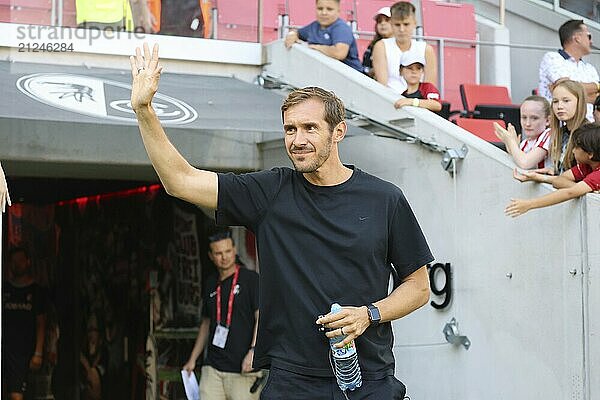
(179, 178)
(591, 91)
(412, 294)
(167, 161)
(201, 339)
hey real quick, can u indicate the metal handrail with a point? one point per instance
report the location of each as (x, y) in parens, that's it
(442, 42)
(477, 42)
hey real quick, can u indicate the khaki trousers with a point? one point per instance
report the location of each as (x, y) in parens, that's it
(217, 385)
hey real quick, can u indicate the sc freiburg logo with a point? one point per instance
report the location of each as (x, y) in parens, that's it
(100, 98)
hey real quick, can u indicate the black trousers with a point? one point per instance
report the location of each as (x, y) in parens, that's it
(15, 367)
(286, 385)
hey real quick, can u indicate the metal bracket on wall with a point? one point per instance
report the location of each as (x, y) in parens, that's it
(451, 155)
(452, 335)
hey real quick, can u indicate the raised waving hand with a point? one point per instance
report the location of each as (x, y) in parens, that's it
(145, 71)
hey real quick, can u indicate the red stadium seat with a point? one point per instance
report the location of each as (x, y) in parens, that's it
(473, 95)
(490, 102)
(37, 12)
(365, 10)
(301, 12)
(69, 13)
(483, 128)
(237, 21)
(272, 9)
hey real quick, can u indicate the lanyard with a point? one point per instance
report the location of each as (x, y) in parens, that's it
(231, 297)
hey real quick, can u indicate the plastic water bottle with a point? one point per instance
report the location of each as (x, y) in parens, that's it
(345, 360)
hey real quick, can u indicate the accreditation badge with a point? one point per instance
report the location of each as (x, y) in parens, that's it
(220, 337)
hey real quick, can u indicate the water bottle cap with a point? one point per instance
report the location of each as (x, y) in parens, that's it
(335, 307)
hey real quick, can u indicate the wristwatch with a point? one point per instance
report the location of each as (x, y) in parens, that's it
(374, 315)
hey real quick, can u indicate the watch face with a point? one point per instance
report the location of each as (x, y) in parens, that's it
(374, 314)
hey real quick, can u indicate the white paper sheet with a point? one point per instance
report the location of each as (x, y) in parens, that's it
(191, 385)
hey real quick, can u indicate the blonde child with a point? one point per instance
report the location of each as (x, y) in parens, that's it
(568, 114)
(583, 178)
(533, 150)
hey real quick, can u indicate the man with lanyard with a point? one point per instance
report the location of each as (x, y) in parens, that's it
(568, 63)
(229, 324)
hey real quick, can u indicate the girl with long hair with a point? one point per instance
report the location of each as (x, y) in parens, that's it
(568, 114)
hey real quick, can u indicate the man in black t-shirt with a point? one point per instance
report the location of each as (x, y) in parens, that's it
(229, 323)
(326, 233)
(23, 325)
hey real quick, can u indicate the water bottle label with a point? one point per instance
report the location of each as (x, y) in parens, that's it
(347, 351)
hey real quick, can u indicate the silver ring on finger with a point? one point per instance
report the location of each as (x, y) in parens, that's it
(140, 69)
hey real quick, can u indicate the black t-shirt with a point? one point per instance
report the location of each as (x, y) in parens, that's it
(20, 307)
(414, 95)
(245, 304)
(317, 246)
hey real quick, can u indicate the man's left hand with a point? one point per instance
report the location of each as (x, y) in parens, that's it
(349, 321)
(247, 361)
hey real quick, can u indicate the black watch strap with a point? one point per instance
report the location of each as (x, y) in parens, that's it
(374, 315)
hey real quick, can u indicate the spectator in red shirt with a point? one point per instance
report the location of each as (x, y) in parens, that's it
(575, 182)
(417, 93)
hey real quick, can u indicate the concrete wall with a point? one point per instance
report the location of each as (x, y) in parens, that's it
(591, 294)
(525, 292)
